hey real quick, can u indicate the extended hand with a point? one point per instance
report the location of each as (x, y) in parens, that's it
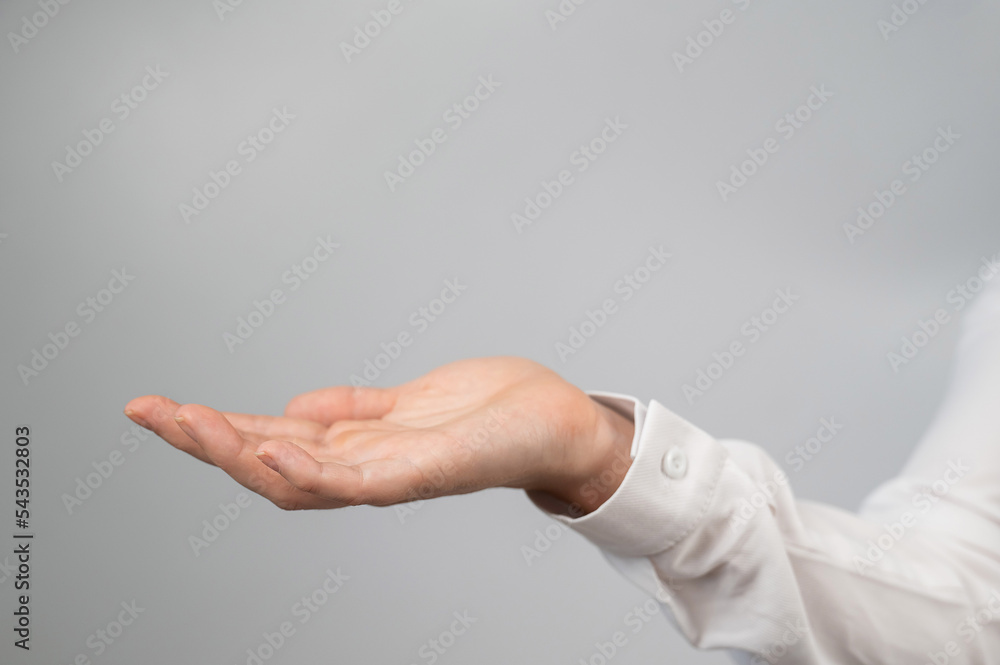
(466, 426)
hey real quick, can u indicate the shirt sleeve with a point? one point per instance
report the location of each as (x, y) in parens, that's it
(711, 529)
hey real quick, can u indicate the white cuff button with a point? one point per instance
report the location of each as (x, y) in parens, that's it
(675, 463)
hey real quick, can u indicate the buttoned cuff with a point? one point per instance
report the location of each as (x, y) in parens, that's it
(666, 492)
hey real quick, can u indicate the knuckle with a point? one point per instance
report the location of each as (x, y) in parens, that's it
(310, 485)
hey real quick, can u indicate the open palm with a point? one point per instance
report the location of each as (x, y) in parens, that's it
(465, 426)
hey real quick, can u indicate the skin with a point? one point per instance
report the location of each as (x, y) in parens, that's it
(463, 427)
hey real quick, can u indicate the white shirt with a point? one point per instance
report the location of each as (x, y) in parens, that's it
(711, 529)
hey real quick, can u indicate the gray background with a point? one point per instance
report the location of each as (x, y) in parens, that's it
(324, 175)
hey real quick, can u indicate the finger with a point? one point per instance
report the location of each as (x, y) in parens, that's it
(329, 405)
(156, 413)
(379, 482)
(273, 427)
(345, 429)
(234, 455)
(258, 429)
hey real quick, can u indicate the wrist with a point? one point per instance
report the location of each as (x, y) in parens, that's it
(601, 476)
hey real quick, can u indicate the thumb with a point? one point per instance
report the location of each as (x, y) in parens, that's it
(378, 482)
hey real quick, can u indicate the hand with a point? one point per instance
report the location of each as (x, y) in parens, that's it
(463, 427)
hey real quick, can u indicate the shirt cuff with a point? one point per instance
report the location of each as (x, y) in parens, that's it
(627, 406)
(666, 491)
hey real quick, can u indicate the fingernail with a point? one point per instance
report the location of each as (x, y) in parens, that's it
(142, 423)
(268, 461)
